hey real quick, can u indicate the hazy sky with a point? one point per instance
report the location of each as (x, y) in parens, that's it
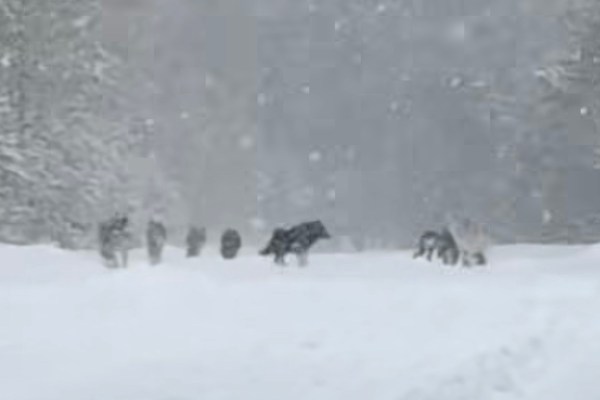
(382, 118)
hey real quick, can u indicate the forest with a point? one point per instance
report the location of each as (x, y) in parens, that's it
(381, 118)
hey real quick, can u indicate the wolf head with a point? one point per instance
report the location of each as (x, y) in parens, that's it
(318, 229)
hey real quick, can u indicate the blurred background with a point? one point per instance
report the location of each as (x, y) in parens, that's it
(382, 118)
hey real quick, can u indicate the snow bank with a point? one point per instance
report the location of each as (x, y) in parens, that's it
(373, 326)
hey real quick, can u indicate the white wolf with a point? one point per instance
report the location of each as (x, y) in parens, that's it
(472, 240)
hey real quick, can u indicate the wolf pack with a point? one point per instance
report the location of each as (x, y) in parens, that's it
(443, 245)
(115, 240)
(465, 243)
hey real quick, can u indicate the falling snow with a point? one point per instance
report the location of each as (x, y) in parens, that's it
(458, 32)
(381, 8)
(246, 142)
(315, 156)
(261, 99)
(331, 194)
(338, 25)
(82, 22)
(209, 81)
(456, 82)
(5, 61)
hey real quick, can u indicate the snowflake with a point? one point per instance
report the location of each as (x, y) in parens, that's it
(584, 111)
(458, 32)
(381, 8)
(350, 154)
(456, 81)
(246, 142)
(82, 22)
(184, 115)
(306, 89)
(261, 99)
(258, 224)
(331, 194)
(547, 216)
(479, 84)
(209, 81)
(502, 152)
(5, 61)
(394, 106)
(315, 156)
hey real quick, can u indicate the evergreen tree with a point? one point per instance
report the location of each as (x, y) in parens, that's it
(564, 140)
(69, 150)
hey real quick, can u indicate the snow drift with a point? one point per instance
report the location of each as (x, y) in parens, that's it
(372, 326)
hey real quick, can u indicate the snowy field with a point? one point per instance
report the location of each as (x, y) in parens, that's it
(349, 327)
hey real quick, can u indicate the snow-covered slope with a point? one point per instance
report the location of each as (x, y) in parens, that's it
(351, 327)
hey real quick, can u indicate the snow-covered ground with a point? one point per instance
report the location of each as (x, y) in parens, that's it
(353, 327)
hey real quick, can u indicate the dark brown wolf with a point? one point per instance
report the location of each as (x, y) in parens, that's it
(297, 239)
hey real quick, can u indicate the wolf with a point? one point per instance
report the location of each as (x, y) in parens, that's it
(441, 244)
(427, 245)
(472, 241)
(231, 242)
(447, 249)
(195, 241)
(114, 240)
(297, 239)
(156, 237)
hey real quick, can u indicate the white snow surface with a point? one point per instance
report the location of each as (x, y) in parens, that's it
(353, 327)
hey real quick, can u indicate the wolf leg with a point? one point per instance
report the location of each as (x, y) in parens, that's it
(429, 254)
(124, 258)
(419, 253)
(280, 259)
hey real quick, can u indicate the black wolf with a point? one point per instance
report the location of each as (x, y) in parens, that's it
(440, 244)
(231, 242)
(298, 240)
(195, 240)
(156, 237)
(447, 249)
(114, 240)
(427, 245)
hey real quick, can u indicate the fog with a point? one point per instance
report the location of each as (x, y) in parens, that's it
(382, 118)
